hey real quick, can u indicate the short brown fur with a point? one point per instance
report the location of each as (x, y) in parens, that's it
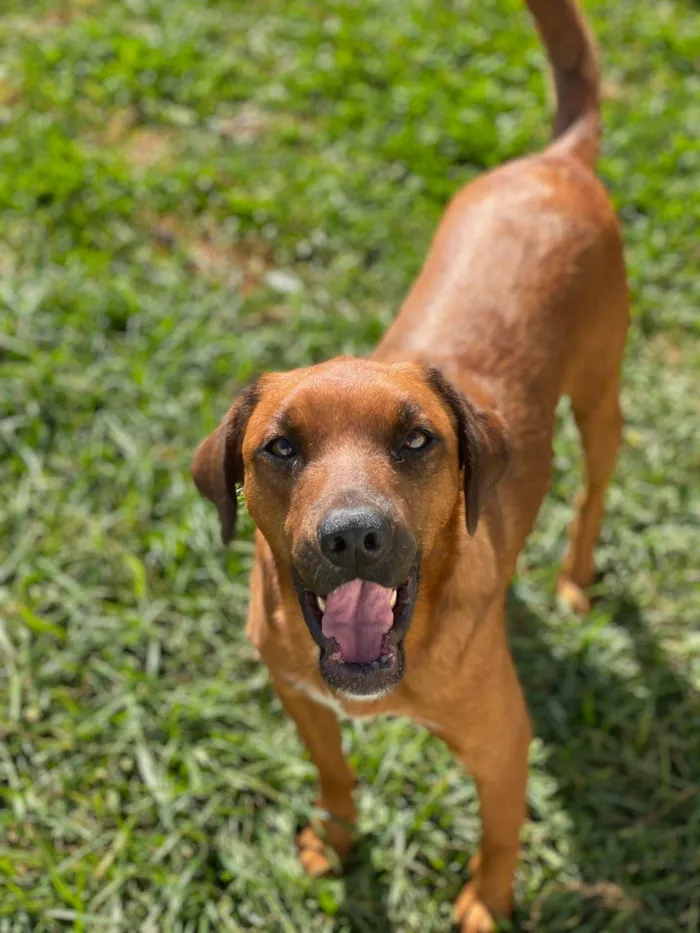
(522, 299)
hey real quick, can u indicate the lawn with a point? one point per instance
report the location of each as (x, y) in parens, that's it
(193, 192)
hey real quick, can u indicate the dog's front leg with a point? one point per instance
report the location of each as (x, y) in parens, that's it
(491, 738)
(320, 731)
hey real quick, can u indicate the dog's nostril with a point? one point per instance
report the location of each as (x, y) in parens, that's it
(354, 538)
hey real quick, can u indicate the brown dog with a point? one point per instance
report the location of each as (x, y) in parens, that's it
(393, 495)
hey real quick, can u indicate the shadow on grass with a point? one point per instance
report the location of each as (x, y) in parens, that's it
(364, 907)
(624, 755)
(622, 748)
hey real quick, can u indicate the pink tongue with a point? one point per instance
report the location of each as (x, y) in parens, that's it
(358, 615)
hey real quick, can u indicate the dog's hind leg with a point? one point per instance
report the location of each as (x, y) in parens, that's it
(599, 420)
(320, 730)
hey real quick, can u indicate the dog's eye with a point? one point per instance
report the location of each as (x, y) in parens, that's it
(417, 440)
(281, 447)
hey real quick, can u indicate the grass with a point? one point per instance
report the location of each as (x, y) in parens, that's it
(191, 193)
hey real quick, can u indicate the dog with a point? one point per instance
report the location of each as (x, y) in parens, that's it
(392, 495)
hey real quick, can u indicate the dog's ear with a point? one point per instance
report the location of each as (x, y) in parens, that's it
(218, 462)
(484, 447)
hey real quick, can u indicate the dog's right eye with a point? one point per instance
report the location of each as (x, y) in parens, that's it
(280, 447)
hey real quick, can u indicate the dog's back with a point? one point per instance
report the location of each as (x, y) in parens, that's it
(523, 295)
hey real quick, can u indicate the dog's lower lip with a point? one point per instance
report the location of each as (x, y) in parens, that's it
(332, 659)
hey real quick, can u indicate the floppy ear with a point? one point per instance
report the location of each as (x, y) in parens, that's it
(484, 447)
(218, 462)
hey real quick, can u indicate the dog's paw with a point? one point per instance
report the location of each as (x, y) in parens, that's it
(471, 914)
(572, 596)
(313, 854)
(316, 856)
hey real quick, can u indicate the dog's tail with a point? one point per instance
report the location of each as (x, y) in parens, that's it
(573, 56)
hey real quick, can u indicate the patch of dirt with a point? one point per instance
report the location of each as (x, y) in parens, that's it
(612, 90)
(62, 15)
(119, 123)
(55, 19)
(9, 93)
(147, 147)
(242, 265)
(245, 126)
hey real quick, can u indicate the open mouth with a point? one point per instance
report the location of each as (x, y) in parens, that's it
(360, 627)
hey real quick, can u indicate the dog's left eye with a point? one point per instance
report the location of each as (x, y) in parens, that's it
(281, 447)
(416, 440)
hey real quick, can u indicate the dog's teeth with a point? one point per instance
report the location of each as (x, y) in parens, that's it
(392, 601)
(321, 603)
(385, 658)
(375, 665)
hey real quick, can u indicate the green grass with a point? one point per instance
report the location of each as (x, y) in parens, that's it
(191, 193)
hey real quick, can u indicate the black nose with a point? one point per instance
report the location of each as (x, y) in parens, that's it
(355, 538)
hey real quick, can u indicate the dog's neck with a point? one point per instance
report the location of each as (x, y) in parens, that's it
(461, 573)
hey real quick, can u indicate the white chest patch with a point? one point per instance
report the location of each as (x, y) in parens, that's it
(325, 698)
(322, 697)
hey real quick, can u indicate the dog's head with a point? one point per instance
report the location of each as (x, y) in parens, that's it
(352, 470)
